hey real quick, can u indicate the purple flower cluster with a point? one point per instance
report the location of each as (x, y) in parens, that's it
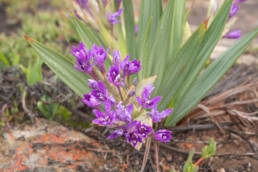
(112, 18)
(114, 99)
(235, 34)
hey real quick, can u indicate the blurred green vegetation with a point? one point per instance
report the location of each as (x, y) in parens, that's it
(45, 21)
(40, 21)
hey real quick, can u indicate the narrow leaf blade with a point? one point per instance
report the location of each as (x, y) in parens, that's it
(63, 68)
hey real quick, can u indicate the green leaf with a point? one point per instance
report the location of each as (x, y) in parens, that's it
(4, 60)
(209, 151)
(209, 78)
(177, 27)
(167, 39)
(144, 52)
(129, 26)
(86, 34)
(48, 110)
(189, 166)
(63, 68)
(176, 69)
(197, 61)
(34, 73)
(149, 10)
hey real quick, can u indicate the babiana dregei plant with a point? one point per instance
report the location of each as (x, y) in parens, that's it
(121, 58)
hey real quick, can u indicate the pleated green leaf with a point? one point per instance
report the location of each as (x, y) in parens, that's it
(177, 69)
(129, 26)
(148, 10)
(209, 78)
(169, 34)
(177, 27)
(63, 68)
(144, 53)
(86, 34)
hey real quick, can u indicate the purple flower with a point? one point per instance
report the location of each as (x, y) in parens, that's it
(233, 11)
(132, 93)
(233, 34)
(163, 135)
(158, 116)
(93, 84)
(114, 75)
(76, 14)
(106, 118)
(84, 4)
(98, 95)
(122, 113)
(143, 129)
(91, 101)
(102, 94)
(116, 57)
(104, 2)
(83, 58)
(116, 133)
(118, 3)
(144, 101)
(147, 91)
(133, 137)
(123, 130)
(238, 1)
(130, 67)
(100, 56)
(136, 29)
(112, 18)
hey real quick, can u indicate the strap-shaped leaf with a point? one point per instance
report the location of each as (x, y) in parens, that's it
(169, 35)
(160, 47)
(177, 27)
(209, 78)
(144, 53)
(148, 9)
(86, 34)
(63, 68)
(129, 26)
(176, 69)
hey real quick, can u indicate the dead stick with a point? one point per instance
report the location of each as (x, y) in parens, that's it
(156, 155)
(200, 154)
(29, 113)
(146, 153)
(201, 127)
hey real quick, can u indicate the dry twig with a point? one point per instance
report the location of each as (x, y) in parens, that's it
(146, 153)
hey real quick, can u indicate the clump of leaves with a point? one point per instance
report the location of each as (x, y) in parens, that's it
(183, 80)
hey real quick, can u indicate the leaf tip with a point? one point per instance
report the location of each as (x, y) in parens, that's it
(28, 38)
(206, 22)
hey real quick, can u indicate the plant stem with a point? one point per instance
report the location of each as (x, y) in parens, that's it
(156, 149)
(198, 162)
(146, 153)
(119, 90)
(128, 81)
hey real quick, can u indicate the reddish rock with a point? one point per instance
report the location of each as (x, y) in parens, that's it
(46, 146)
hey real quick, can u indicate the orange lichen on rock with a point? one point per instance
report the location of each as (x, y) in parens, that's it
(55, 148)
